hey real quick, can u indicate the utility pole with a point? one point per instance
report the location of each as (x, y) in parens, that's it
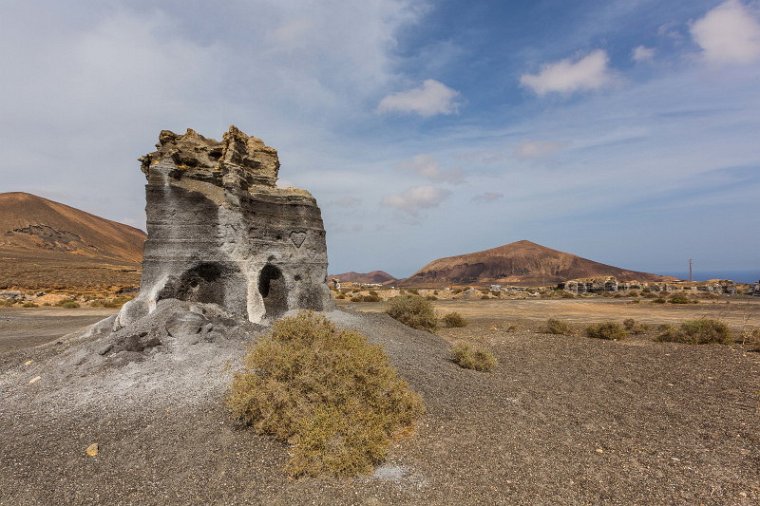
(691, 278)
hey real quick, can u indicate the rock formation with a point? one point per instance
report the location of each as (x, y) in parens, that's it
(220, 231)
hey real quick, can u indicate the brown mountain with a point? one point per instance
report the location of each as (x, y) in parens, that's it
(46, 244)
(518, 263)
(364, 277)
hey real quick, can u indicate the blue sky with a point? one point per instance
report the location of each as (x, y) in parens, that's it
(622, 131)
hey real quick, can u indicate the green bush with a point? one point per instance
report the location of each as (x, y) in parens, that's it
(659, 300)
(69, 304)
(330, 394)
(454, 319)
(414, 311)
(431, 297)
(702, 331)
(607, 330)
(469, 357)
(558, 327)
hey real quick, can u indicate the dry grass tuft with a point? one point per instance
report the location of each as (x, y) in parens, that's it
(702, 331)
(454, 319)
(329, 393)
(414, 311)
(612, 331)
(634, 327)
(469, 357)
(558, 327)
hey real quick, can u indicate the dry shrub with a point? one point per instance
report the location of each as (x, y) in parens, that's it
(558, 327)
(365, 298)
(329, 393)
(454, 319)
(659, 300)
(751, 340)
(608, 330)
(680, 299)
(29, 304)
(69, 304)
(634, 327)
(702, 331)
(414, 311)
(469, 357)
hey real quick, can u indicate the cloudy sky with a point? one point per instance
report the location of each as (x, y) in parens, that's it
(626, 131)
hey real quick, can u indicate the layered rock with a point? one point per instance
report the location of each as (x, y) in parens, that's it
(220, 231)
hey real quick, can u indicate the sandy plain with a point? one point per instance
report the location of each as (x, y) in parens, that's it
(561, 420)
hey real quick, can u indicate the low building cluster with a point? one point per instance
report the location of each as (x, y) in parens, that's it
(610, 284)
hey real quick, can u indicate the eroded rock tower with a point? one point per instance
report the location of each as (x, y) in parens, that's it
(220, 230)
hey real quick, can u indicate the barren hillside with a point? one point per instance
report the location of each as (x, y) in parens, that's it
(517, 263)
(381, 277)
(46, 244)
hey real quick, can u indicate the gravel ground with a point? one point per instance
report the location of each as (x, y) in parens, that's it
(562, 420)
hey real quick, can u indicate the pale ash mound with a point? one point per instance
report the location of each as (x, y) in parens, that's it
(221, 232)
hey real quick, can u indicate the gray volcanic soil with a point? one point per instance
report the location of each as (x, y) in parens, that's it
(560, 421)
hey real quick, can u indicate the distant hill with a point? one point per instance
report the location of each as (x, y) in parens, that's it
(518, 263)
(46, 244)
(364, 277)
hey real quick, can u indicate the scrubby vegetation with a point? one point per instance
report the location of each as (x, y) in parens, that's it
(111, 303)
(702, 331)
(751, 340)
(329, 393)
(607, 330)
(681, 299)
(366, 298)
(634, 327)
(414, 311)
(69, 304)
(454, 319)
(558, 327)
(470, 357)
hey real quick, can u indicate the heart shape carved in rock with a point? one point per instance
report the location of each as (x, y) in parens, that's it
(298, 237)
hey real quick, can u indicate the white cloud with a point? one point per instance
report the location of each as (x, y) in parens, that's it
(567, 76)
(428, 99)
(536, 149)
(346, 202)
(488, 197)
(417, 198)
(728, 34)
(642, 54)
(427, 167)
(286, 71)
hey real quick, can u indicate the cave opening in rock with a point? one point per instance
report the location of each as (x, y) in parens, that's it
(203, 283)
(273, 291)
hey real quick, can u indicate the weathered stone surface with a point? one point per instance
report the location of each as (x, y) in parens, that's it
(220, 230)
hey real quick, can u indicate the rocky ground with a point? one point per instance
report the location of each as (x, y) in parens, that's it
(562, 420)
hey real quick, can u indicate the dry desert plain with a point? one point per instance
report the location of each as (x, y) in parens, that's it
(561, 420)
